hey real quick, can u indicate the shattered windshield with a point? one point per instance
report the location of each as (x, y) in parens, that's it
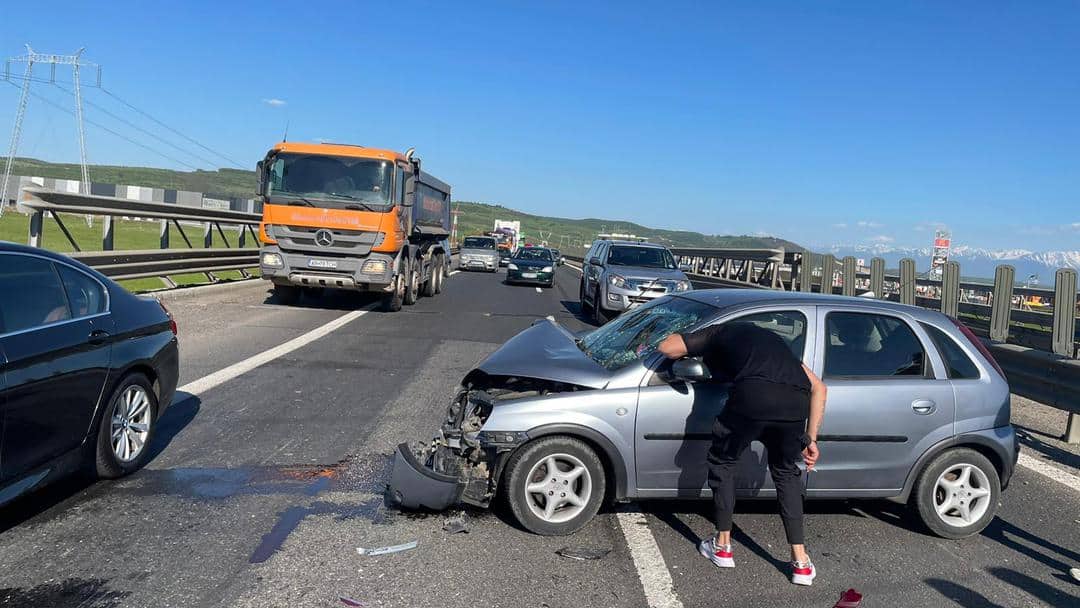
(636, 333)
(337, 182)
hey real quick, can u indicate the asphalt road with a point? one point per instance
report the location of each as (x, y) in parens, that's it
(264, 483)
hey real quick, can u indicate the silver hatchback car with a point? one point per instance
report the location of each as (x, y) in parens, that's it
(918, 411)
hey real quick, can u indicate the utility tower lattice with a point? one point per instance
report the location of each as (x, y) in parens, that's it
(31, 57)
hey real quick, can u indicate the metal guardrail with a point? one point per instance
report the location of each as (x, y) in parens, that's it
(154, 262)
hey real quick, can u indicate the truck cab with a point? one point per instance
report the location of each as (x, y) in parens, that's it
(352, 218)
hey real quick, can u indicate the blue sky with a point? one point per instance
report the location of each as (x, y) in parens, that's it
(821, 122)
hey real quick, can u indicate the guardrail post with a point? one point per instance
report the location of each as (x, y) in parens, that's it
(950, 289)
(806, 272)
(163, 233)
(877, 278)
(828, 270)
(107, 233)
(241, 238)
(208, 235)
(1065, 312)
(1001, 305)
(37, 229)
(848, 276)
(907, 281)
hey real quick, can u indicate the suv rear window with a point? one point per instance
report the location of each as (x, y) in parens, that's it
(959, 364)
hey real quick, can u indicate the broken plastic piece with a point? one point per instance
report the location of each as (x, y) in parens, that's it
(348, 601)
(583, 553)
(455, 525)
(849, 599)
(385, 550)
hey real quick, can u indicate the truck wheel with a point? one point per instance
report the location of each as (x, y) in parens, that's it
(412, 283)
(440, 266)
(554, 485)
(430, 284)
(391, 302)
(286, 294)
(957, 493)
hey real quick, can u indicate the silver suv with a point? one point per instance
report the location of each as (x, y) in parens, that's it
(621, 275)
(918, 412)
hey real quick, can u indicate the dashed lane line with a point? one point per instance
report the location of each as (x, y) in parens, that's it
(1050, 471)
(538, 290)
(197, 387)
(651, 568)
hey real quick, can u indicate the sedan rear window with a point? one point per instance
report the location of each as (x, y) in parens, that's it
(30, 293)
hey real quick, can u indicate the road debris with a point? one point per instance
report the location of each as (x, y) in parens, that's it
(385, 550)
(456, 524)
(348, 601)
(849, 599)
(1075, 573)
(583, 553)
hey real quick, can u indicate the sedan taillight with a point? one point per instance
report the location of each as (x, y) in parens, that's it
(172, 322)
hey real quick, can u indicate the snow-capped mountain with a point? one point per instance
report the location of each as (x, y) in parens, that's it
(974, 261)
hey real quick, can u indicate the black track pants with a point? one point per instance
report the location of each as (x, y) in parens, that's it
(732, 435)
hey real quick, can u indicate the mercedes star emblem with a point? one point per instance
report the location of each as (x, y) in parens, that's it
(324, 238)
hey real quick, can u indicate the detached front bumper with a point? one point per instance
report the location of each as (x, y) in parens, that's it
(415, 486)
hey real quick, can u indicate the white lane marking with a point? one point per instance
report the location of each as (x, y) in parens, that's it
(197, 387)
(538, 290)
(453, 272)
(649, 562)
(577, 268)
(1047, 470)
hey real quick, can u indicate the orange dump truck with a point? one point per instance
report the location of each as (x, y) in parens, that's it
(353, 218)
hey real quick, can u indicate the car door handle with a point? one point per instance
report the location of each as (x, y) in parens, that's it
(98, 336)
(923, 406)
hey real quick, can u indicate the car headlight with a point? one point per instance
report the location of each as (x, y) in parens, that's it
(617, 281)
(272, 259)
(512, 266)
(683, 286)
(546, 269)
(374, 266)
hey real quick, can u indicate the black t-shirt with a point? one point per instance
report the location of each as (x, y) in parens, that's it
(769, 381)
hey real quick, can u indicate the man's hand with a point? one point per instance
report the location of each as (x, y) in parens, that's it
(810, 455)
(672, 347)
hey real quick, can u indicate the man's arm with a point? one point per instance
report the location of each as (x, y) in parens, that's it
(818, 393)
(673, 347)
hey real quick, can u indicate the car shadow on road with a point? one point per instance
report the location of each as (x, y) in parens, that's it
(328, 299)
(574, 308)
(1029, 438)
(969, 598)
(184, 408)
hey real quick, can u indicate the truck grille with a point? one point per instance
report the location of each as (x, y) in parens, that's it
(345, 242)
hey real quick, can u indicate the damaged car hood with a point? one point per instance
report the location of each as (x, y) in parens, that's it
(546, 351)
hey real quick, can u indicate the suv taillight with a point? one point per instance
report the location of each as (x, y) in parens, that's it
(172, 322)
(978, 344)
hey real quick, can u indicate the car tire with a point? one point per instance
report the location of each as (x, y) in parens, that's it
(391, 302)
(943, 482)
(598, 316)
(428, 288)
(529, 465)
(586, 308)
(412, 283)
(286, 294)
(135, 403)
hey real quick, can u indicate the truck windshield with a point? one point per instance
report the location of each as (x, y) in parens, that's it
(337, 182)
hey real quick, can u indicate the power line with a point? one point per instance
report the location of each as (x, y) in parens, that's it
(52, 103)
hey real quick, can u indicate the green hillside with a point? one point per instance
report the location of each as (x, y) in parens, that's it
(474, 218)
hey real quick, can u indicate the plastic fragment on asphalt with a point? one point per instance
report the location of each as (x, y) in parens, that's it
(1075, 572)
(385, 550)
(456, 525)
(582, 553)
(849, 599)
(348, 601)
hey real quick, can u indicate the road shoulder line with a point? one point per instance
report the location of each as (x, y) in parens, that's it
(651, 568)
(1049, 471)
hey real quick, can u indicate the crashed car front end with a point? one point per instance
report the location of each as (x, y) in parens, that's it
(463, 463)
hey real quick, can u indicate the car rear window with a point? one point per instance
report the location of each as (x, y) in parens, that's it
(31, 294)
(959, 364)
(863, 345)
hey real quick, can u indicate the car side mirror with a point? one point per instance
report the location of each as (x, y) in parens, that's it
(260, 188)
(685, 267)
(690, 370)
(595, 261)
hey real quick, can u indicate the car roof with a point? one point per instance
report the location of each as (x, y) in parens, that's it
(728, 298)
(631, 243)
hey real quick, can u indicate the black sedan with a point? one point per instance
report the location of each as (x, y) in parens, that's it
(533, 265)
(86, 370)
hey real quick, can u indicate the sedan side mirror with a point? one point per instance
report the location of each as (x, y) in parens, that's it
(690, 370)
(595, 261)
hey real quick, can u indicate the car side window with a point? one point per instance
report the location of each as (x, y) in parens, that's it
(31, 294)
(790, 325)
(959, 364)
(85, 295)
(862, 345)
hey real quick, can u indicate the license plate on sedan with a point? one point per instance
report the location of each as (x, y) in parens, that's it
(528, 275)
(322, 264)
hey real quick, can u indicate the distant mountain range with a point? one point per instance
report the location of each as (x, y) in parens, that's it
(974, 261)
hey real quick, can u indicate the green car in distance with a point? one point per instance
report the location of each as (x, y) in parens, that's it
(534, 265)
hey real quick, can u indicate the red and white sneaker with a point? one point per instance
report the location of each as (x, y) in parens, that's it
(718, 554)
(803, 574)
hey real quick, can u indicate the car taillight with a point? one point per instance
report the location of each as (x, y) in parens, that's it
(172, 322)
(978, 344)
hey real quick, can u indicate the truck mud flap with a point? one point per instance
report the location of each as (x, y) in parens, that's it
(413, 485)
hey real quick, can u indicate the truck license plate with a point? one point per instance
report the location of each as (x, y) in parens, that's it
(528, 275)
(322, 264)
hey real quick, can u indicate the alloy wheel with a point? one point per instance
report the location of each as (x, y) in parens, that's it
(130, 424)
(558, 488)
